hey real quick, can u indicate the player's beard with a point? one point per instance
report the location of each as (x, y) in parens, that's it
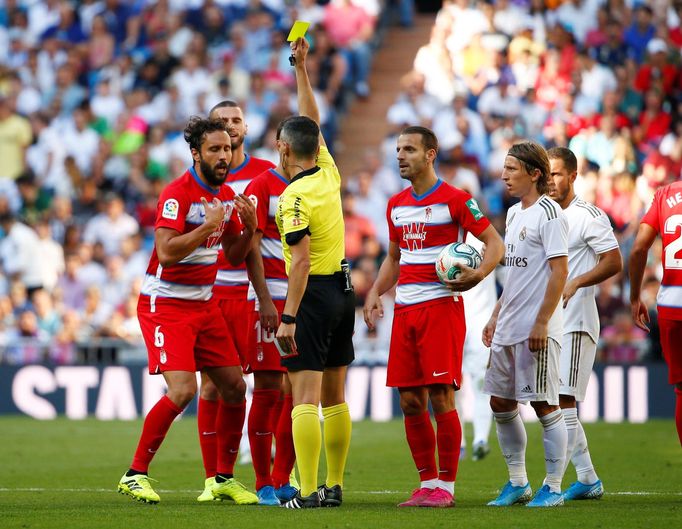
(237, 142)
(210, 175)
(414, 170)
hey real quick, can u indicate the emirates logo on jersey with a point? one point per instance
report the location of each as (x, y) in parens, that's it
(414, 235)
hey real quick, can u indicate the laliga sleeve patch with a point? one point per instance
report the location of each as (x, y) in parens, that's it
(474, 208)
(170, 209)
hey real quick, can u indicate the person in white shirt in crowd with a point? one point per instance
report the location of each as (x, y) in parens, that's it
(19, 252)
(51, 256)
(111, 226)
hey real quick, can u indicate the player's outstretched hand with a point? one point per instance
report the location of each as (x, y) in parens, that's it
(214, 213)
(640, 315)
(299, 49)
(489, 332)
(247, 211)
(373, 309)
(468, 278)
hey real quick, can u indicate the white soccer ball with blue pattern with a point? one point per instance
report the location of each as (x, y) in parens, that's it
(450, 257)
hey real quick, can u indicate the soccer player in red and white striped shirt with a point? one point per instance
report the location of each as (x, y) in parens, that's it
(180, 320)
(230, 290)
(664, 217)
(425, 359)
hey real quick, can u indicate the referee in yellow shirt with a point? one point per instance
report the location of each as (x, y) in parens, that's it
(315, 335)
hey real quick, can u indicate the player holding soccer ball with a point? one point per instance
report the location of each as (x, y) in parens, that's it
(593, 256)
(425, 359)
(525, 331)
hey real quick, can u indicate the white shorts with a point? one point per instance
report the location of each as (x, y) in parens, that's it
(516, 373)
(577, 358)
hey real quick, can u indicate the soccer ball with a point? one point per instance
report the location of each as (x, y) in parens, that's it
(451, 256)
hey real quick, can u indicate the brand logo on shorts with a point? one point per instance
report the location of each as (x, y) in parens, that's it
(162, 356)
(436, 374)
(526, 389)
(522, 235)
(259, 356)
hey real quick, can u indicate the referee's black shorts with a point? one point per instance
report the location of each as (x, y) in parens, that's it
(324, 325)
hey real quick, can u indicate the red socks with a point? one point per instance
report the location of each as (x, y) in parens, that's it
(156, 425)
(449, 439)
(228, 425)
(422, 441)
(260, 428)
(678, 413)
(285, 456)
(208, 440)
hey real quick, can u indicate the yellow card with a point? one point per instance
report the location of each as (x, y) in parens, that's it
(298, 30)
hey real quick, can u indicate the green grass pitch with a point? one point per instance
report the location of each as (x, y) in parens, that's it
(64, 473)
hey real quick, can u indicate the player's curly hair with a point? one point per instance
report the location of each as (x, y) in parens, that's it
(198, 127)
(533, 157)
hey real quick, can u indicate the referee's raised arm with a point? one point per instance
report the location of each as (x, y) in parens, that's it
(307, 106)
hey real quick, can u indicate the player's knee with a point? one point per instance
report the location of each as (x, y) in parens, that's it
(542, 408)
(234, 390)
(183, 394)
(499, 405)
(208, 391)
(566, 401)
(411, 404)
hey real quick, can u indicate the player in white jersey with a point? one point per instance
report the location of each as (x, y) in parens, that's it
(525, 330)
(479, 303)
(593, 256)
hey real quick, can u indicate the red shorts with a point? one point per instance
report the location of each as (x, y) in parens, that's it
(185, 336)
(426, 344)
(262, 353)
(237, 315)
(671, 332)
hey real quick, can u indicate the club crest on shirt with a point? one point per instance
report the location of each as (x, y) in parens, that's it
(428, 213)
(414, 235)
(170, 209)
(522, 234)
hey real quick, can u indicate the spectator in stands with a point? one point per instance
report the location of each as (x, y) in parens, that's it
(111, 226)
(640, 32)
(71, 287)
(358, 228)
(350, 29)
(623, 341)
(658, 72)
(51, 255)
(15, 137)
(19, 252)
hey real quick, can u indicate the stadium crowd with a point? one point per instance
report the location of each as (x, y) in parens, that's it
(94, 96)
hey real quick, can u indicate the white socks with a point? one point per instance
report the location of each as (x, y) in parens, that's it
(577, 451)
(511, 435)
(483, 415)
(555, 439)
(429, 484)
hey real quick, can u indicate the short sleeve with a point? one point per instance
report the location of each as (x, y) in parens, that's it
(259, 194)
(294, 217)
(325, 160)
(651, 216)
(465, 210)
(393, 234)
(599, 235)
(554, 236)
(171, 209)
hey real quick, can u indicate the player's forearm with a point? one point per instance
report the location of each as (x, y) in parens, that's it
(172, 250)
(236, 254)
(256, 271)
(555, 287)
(307, 106)
(636, 267)
(387, 276)
(298, 281)
(609, 264)
(494, 250)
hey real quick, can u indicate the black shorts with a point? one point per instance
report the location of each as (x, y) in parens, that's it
(324, 326)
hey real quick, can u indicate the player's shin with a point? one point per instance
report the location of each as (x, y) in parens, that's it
(156, 425)
(207, 411)
(260, 430)
(308, 444)
(337, 433)
(422, 442)
(285, 456)
(512, 438)
(449, 438)
(554, 438)
(229, 423)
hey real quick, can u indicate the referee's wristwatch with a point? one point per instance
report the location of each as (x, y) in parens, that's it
(288, 319)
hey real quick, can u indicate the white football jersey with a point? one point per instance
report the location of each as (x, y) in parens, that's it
(532, 237)
(479, 302)
(589, 235)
